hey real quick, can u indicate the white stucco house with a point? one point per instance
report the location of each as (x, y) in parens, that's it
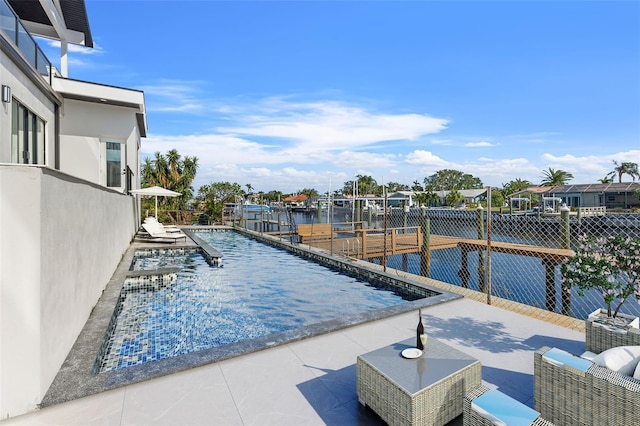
(69, 154)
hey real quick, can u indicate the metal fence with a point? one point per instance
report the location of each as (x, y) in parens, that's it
(512, 255)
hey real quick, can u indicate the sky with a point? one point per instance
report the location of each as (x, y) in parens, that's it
(289, 95)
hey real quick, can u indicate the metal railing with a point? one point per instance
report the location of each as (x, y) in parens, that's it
(13, 29)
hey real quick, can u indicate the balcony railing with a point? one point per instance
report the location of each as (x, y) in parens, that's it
(13, 29)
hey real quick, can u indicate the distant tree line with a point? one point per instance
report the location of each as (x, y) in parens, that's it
(172, 171)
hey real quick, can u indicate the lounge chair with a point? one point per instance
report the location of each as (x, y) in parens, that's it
(165, 228)
(155, 232)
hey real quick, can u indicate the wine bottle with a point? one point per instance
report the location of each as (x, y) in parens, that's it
(419, 331)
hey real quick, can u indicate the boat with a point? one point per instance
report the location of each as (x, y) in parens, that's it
(251, 208)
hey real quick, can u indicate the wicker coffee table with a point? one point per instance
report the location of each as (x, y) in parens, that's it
(428, 390)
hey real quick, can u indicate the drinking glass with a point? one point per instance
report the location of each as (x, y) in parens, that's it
(423, 339)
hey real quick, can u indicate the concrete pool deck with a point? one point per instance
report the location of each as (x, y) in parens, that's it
(313, 381)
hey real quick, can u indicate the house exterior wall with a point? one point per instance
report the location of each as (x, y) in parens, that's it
(612, 195)
(25, 91)
(61, 240)
(85, 127)
(617, 200)
(61, 234)
(612, 200)
(581, 199)
(591, 199)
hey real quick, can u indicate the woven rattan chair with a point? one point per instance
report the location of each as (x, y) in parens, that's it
(599, 339)
(569, 390)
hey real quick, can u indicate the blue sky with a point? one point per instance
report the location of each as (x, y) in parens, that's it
(306, 94)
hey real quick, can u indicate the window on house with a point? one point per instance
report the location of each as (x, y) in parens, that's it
(27, 135)
(114, 165)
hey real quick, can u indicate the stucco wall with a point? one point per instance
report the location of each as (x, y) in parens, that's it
(83, 125)
(60, 241)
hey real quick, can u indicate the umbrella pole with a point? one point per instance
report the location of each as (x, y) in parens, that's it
(156, 207)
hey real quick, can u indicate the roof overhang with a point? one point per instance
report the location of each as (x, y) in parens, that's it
(104, 95)
(55, 19)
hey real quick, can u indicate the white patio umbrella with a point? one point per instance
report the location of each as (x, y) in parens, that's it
(155, 191)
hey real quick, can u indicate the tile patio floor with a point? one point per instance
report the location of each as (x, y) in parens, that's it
(313, 381)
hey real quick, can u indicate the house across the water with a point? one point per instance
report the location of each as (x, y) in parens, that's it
(611, 196)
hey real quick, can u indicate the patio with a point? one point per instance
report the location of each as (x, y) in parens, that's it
(313, 381)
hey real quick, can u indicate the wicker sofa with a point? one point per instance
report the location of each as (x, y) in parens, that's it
(569, 390)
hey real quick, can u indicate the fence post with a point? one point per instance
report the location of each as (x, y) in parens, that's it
(279, 213)
(565, 244)
(565, 232)
(405, 257)
(481, 253)
(357, 210)
(425, 264)
(489, 238)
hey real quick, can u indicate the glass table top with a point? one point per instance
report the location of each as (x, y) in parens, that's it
(438, 361)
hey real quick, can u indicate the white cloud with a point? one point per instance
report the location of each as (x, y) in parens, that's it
(496, 172)
(303, 138)
(174, 96)
(479, 144)
(590, 168)
(281, 143)
(425, 158)
(352, 160)
(327, 126)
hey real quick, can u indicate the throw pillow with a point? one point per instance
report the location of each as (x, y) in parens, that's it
(622, 359)
(636, 374)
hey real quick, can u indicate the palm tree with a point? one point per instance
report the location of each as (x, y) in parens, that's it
(416, 186)
(454, 198)
(173, 164)
(311, 193)
(515, 185)
(161, 171)
(366, 185)
(553, 177)
(625, 168)
(606, 179)
(171, 172)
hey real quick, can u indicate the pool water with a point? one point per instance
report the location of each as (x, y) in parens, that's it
(260, 290)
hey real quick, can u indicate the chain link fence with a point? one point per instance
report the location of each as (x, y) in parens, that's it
(515, 255)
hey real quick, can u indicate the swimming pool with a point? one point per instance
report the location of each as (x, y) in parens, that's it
(191, 306)
(79, 377)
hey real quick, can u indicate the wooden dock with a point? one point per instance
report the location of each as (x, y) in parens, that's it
(378, 243)
(371, 243)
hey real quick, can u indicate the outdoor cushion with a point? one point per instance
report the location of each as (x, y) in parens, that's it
(636, 374)
(589, 355)
(563, 358)
(622, 359)
(502, 410)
